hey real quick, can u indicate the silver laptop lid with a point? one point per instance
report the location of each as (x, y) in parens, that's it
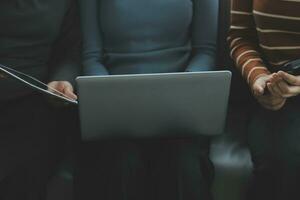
(153, 105)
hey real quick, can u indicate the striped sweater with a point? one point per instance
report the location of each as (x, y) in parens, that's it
(264, 34)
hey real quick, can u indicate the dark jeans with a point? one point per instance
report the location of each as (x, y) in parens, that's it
(30, 145)
(148, 170)
(274, 140)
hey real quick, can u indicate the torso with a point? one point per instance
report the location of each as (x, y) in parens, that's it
(142, 36)
(278, 28)
(143, 25)
(29, 27)
(28, 30)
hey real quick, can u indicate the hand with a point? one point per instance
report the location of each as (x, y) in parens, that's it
(284, 85)
(271, 102)
(64, 87)
(267, 100)
(260, 85)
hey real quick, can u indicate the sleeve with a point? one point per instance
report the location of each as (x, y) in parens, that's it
(243, 41)
(92, 53)
(204, 35)
(65, 60)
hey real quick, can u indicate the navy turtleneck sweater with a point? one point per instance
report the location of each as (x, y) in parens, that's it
(148, 36)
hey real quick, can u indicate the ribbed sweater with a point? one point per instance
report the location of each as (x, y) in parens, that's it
(142, 36)
(264, 34)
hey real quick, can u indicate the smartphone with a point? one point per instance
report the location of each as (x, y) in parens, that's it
(292, 67)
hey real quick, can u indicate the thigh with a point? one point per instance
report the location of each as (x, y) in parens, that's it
(264, 143)
(27, 182)
(290, 150)
(30, 144)
(181, 169)
(274, 135)
(111, 170)
(28, 131)
(263, 136)
(290, 132)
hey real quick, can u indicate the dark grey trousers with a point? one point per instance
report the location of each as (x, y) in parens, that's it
(274, 140)
(30, 145)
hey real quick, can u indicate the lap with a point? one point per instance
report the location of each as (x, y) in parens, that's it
(154, 167)
(28, 131)
(274, 135)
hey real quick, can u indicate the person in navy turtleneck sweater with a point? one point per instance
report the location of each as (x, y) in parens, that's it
(148, 36)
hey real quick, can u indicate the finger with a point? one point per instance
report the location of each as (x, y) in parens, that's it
(293, 91)
(273, 105)
(292, 80)
(68, 91)
(272, 79)
(60, 87)
(276, 78)
(270, 100)
(258, 90)
(271, 90)
(259, 86)
(57, 87)
(285, 89)
(277, 90)
(53, 86)
(278, 107)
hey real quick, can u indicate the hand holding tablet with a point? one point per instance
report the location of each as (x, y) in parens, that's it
(37, 85)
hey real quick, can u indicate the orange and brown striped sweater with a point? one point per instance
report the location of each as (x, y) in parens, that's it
(264, 34)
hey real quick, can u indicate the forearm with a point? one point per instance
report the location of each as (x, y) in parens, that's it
(66, 70)
(92, 65)
(202, 60)
(243, 42)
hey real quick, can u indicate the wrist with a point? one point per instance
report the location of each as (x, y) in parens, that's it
(255, 73)
(257, 77)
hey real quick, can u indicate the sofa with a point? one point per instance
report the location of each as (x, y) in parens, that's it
(229, 151)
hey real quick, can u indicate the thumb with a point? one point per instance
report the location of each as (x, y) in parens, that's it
(260, 84)
(258, 90)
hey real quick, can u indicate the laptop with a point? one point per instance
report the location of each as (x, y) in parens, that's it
(168, 105)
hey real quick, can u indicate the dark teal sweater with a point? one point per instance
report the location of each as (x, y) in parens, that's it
(38, 37)
(148, 36)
